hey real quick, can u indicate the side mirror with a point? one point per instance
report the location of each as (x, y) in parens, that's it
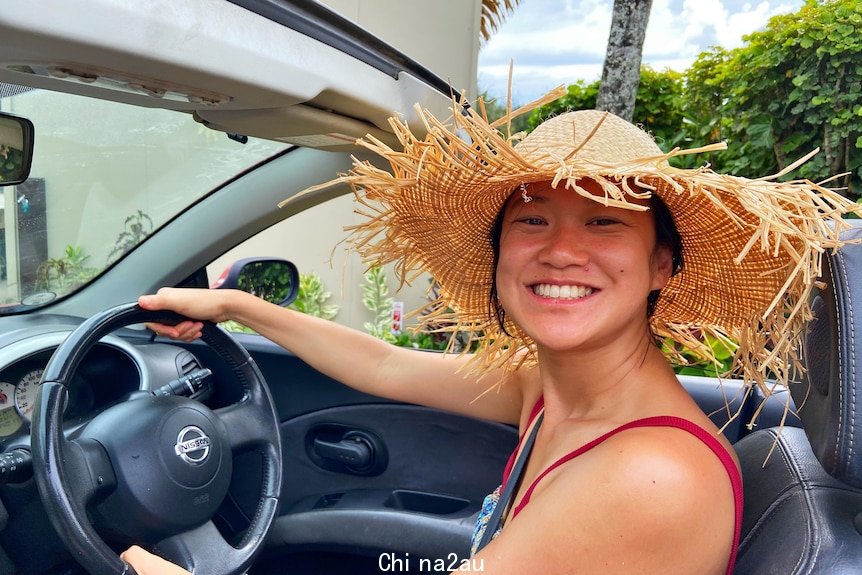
(272, 279)
(16, 149)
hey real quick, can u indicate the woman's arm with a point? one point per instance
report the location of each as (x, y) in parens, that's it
(354, 358)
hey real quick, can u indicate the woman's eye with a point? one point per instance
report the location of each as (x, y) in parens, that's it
(603, 222)
(532, 221)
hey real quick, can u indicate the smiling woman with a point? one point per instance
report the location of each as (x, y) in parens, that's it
(564, 256)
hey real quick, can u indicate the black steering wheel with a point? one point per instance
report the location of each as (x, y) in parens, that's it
(154, 470)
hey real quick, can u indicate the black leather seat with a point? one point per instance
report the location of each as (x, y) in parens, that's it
(803, 509)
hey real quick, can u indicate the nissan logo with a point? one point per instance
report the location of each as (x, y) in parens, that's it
(193, 445)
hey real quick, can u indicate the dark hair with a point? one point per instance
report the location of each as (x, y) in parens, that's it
(666, 234)
(495, 308)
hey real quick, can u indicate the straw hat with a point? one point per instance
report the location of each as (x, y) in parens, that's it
(752, 248)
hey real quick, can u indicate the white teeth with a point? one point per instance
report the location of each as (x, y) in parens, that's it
(561, 292)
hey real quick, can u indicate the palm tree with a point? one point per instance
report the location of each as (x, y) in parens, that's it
(622, 69)
(494, 12)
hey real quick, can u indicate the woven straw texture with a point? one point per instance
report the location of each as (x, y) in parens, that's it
(752, 248)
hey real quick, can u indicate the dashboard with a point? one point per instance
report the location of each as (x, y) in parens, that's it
(105, 376)
(111, 371)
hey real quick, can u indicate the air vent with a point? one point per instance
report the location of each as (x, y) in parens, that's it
(187, 363)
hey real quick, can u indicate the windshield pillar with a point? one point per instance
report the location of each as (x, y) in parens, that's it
(10, 282)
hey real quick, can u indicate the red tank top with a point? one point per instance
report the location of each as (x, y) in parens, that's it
(661, 421)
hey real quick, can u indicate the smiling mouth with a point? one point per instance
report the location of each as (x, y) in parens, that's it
(553, 291)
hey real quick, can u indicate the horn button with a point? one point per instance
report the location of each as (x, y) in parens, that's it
(172, 462)
(190, 447)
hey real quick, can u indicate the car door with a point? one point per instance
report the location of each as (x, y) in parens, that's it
(369, 481)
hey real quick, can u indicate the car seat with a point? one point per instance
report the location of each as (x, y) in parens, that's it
(803, 506)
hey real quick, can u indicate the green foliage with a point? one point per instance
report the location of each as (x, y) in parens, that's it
(496, 110)
(235, 327)
(793, 87)
(422, 340)
(375, 298)
(312, 296)
(579, 96)
(65, 274)
(702, 102)
(658, 107)
(136, 228)
(11, 160)
(694, 365)
(267, 280)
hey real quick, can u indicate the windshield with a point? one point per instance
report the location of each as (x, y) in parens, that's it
(105, 176)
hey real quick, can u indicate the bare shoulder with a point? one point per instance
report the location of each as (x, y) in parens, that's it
(629, 505)
(670, 464)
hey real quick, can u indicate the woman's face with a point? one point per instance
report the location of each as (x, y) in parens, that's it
(574, 274)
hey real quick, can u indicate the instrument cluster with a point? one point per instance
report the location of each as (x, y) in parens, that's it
(105, 376)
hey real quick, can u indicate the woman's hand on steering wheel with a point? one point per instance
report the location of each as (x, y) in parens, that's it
(201, 304)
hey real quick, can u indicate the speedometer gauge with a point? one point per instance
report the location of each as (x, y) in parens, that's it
(25, 393)
(10, 421)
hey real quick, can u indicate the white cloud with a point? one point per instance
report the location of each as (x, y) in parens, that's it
(540, 30)
(749, 20)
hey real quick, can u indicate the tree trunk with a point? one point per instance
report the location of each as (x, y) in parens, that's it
(622, 70)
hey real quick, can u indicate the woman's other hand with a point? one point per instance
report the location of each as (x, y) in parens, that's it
(201, 304)
(145, 563)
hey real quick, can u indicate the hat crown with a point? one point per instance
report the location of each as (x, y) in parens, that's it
(614, 142)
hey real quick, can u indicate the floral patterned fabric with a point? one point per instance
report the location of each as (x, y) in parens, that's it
(488, 506)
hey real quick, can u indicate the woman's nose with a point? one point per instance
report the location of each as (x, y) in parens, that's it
(565, 247)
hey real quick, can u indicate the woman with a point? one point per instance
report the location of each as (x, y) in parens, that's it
(553, 252)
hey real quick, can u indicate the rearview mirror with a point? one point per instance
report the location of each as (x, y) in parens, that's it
(272, 279)
(16, 149)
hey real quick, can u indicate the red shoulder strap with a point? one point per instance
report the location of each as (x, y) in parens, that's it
(664, 421)
(540, 403)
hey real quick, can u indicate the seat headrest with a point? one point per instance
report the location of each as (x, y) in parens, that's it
(832, 411)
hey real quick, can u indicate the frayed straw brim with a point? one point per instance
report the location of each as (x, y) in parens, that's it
(752, 248)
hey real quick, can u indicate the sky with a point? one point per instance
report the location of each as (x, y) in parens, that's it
(554, 42)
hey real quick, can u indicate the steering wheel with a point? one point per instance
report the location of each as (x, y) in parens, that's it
(154, 469)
